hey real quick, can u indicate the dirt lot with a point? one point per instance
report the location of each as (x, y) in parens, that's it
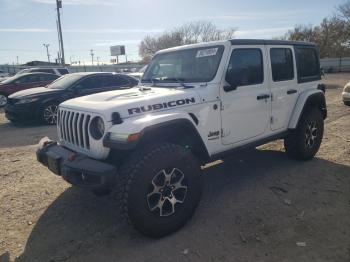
(256, 206)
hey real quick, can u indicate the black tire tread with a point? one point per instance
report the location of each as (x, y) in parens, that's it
(293, 140)
(131, 167)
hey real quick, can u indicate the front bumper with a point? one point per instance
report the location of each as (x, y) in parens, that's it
(76, 168)
(346, 96)
(20, 113)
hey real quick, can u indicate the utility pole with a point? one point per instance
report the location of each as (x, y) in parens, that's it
(58, 6)
(47, 51)
(17, 60)
(92, 56)
(58, 61)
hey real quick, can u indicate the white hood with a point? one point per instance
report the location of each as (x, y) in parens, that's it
(134, 101)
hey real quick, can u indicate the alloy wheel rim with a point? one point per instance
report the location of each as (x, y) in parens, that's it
(311, 134)
(50, 114)
(3, 100)
(168, 190)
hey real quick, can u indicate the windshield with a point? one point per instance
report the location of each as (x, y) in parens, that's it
(190, 65)
(143, 69)
(10, 80)
(22, 71)
(64, 81)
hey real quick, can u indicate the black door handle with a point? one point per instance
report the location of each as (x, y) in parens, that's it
(291, 91)
(265, 96)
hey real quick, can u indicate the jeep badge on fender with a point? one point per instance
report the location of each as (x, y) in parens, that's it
(147, 144)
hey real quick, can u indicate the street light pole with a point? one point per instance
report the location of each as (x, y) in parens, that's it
(47, 51)
(92, 56)
(70, 59)
(58, 6)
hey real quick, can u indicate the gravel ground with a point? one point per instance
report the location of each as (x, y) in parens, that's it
(257, 206)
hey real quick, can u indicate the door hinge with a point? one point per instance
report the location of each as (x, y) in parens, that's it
(221, 106)
(271, 120)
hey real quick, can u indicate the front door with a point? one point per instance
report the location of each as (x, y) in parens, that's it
(246, 103)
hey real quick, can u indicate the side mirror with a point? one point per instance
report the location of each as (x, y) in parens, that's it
(232, 79)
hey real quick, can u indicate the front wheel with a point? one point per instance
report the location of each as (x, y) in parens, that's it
(48, 114)
(304, 142)
(161, 188)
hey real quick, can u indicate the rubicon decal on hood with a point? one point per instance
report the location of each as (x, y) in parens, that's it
(180, 102)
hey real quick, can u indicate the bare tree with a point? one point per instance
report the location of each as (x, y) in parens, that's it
(344, 11)
(190, 33)
(332, 35)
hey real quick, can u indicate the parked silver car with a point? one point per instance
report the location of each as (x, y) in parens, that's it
(346, 94)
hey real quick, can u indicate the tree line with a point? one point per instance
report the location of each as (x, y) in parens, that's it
(332, 35)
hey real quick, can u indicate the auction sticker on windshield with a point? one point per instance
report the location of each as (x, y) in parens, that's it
(206, 52)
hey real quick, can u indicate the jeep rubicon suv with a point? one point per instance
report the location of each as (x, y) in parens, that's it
(194, 104)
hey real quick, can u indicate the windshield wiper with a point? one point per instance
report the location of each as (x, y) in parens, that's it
(179, 81)
(150, 80)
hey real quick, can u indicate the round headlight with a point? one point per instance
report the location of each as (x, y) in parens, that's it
(97, 128)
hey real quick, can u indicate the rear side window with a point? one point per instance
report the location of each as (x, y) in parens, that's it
(246, 67)
(308, 64)
(62, 71)
(48, 77)
(119, 81)
(282, 64)
(43, 70)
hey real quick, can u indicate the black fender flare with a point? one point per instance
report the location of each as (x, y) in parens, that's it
(170, 131)
(315, 100)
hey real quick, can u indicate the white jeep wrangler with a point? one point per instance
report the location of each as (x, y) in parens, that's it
(194, 104)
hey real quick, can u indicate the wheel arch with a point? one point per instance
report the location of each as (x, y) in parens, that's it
(178, 129)
(306, 101)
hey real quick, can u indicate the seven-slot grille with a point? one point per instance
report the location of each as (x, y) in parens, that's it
(73, 127)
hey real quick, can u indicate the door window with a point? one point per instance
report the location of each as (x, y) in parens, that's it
(119, 81)
(308, 64)
(245, 67)
(88, 83)
(282, 64)
(93, 82)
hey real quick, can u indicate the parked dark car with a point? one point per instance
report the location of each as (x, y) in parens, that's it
(22, 82)
(41, 103)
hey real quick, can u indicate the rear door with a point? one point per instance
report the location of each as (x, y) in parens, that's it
(284, 84)
(245, 110)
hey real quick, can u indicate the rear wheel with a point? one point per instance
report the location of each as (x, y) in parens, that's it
(304, 142)
(161, 188)
(48, 114)
(3, 100)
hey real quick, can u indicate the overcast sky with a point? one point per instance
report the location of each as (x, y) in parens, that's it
(96, 24)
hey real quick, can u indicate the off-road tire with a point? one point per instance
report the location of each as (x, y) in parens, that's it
(135, 183)
(43, 113)
(297, 143)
